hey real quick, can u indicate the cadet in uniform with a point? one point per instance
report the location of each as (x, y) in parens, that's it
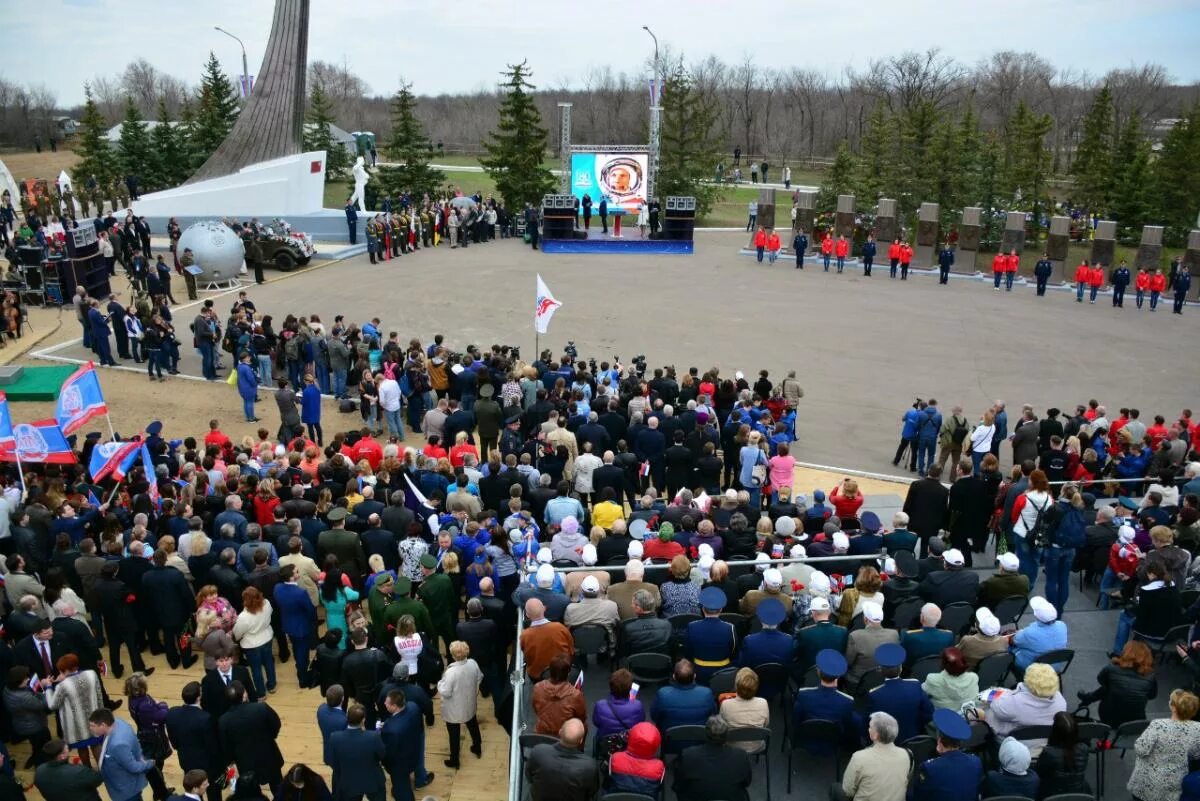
(952, 775)
(440, 599)
(711, 642)
(372, 238)
(945, 262)
(1042, 271)
(770, 644)
(827, 702)
(869, 249)
(929, 639)
(903, 699)
(185, 261)
(800, 246)
(1120, 279)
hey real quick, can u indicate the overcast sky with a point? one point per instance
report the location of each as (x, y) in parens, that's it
(456, 47)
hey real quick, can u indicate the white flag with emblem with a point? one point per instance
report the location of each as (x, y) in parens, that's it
(546, 306)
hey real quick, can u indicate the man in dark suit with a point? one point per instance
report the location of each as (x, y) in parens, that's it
(970, 511)
(651, 446)
(133, 568)
(927, 505)
(396, 517)
(114, 603)
(226, 579)
(356, 757)
(363, 670)
(214, 683)
(593, 433)
(714, 769)
(368, 505)
(194, 738)
(76, 635)
(951, 585)
(40, 650)
(247, 733)
(173, 604)
(60, 780)
(404, 745)
(24, 620)
(415, 693)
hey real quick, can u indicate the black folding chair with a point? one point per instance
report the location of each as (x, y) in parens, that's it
(957, 618)
(559, 563)
(1069, 797)
(1010, 609)
(869, 681)
(993, 670)
(811, 678)
(857, 622)
(1029, 733)
(723, 681)
(978, 740)
(922, 747)
(650, 668)
(755, 734)
(773, 675)
(741, 623)
(815, 731)
(1122, 740)
(1163, 646)
(677, 738)
(1095, 734)
(924, 666)
(591, 639)
(628, 797)
(1055, 657)
(1008, 798)
(908, 612)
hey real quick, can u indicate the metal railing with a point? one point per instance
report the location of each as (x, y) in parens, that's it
(737, 563)
(517, 679)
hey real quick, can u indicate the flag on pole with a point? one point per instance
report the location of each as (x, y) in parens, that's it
(108, 457)
(6, 429)
(80, 399)
(40, 442)
(126, 463)
(151, 478)
(546, 306)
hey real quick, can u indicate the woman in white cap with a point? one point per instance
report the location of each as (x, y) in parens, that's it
(985, 641)
(1047, 633)
(1123, 558)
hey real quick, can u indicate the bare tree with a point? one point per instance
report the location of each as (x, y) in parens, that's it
(911, 79)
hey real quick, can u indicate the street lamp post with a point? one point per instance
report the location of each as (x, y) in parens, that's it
(655, 123)
(245, 67)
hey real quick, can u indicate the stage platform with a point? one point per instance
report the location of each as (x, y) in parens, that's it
(39, 383)
(619, 245)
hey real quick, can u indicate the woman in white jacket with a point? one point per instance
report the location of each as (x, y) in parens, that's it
(134, 330)
(253, 633)
(459, 688)
(1035, 502)
(981, 439)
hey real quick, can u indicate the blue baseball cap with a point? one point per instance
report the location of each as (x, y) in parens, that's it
(770, 610)
(713, 598)
(831, 664)
(952, 725)
(890, 655)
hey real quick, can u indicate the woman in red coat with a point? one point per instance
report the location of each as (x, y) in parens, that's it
(842, 250)
(1141, 284)
(1011, 262)
(1096, 279)
(999, 264)
(1082, 272)
(773, 245)
(894, 255)
(906, 254)
(1158, 285)
(827, 249)
(760, 241)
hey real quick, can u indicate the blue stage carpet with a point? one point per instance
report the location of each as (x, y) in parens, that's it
(665, 247)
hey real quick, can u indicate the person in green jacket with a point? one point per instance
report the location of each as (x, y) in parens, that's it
(437, 591)
(404, 604)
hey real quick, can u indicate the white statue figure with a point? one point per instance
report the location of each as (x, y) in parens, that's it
(360, 184)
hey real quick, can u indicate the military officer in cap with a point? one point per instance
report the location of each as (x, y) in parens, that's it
(342, 543)
(827, 702)
(903, 699)
(402, 604)
(439, 595)
(711, 643)
(372, 231)
(952, 775)
(770, 644)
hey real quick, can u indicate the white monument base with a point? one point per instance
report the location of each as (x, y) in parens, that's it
(287, 187)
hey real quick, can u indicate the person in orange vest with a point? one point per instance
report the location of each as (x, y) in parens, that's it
(894, 255)
(1096, 279)
(1140, 285)
(773, 246)
(1158, 284)
(760, 241)
(1082, 273)
(906, 254)
(1011, 263)
(999, 263)
(842, 250)
(827, 248)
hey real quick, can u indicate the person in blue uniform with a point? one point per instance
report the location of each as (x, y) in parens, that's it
(827, 702)
(822, 635)
(952, 775)
(800, 246)
(768, 645)
(1042, 271)
(929, 639)
(1120, 279)
(352, 222)
(1183, 282)
(903, 699)
(710, 643)
(869, 249)
(945, 262)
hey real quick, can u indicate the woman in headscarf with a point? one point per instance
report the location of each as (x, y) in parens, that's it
(1014, 778)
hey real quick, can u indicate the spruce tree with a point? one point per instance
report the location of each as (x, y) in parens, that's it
(968, 161)
(838, 180)
(167, 154)
(989, 191)
(1133, 199)
(95, 156)
(410, 150)
(874, 175)
(945, 181)
(1028, 161)
(689, 147)
(1176, 177)
(1093, 165)
(318, 135)
(216, 111)
(190, 158)
(133, 151)
(515, 149)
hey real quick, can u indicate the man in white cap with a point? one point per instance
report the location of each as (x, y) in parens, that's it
(1006, 582)
(753, 581)
(841, 546)
(1046, 633)
(862, 644)
(902, 570)
(985, 642)
(821, 635)
(554, 602)
(574, 579)
(798, 572)
(952, 584)
(772, 587)
(621, 592)
(592, 608)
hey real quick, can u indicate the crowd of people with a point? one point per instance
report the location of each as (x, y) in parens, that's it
(403, 227)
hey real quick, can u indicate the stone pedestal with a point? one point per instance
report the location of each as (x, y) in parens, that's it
(1013, 237)
(766, 212)
(928, 225)
(806, 214)
(844, 219)
(1149, 252)
(887, 227)
(1104, 243)
(969, 234)
(1058, 244)
(1191, 257)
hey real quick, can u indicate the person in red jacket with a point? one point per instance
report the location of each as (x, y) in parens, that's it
(846, 499)
(760, 241)
(827, 249)
(1082, 272)
(841, 250)
(1141, 284)
(1011, 263)
(906, 254)
(894, 255)
(1158, 285)
(1096, 279)
(773, 246)
(999, 265)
